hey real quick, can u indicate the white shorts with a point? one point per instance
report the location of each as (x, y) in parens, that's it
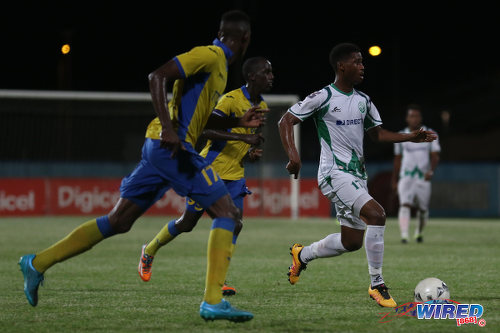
(414, 192)
(349, 194)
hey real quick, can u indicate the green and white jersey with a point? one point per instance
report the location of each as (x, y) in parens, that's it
(415, 161)
(341, 119)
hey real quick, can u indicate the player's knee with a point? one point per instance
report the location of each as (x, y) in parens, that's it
(237, 227)
(123, 215)
(185, 225)
(352, 245)
(121, 226)
(377, 217)
(232, 212)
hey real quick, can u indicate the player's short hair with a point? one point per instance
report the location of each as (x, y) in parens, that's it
(341, 52)
(252, 65)
(234, 22)
(413, 106)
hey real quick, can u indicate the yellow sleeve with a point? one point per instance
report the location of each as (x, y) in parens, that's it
(225, 105)
(198, 59)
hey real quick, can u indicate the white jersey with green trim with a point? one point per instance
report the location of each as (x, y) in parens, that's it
(415, 161)
(341, 119)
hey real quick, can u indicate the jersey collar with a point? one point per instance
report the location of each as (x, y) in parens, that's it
(247, 94)
(340, 91)
(227, 50)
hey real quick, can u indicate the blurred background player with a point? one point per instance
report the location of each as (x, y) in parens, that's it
(225, 150)
(414, 164)
(169, 160)
(342, 115)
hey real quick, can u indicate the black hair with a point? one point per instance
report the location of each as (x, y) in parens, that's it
(235, 16)
(234, 22)
(340, 52)
(414, 107)
(251, 65)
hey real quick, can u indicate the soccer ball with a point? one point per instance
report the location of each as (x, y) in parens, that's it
(431, 289)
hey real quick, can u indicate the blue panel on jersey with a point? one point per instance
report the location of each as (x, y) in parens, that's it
(181, 69)
(193, 86)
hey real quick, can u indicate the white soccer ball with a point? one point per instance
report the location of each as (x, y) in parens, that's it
(431, 289)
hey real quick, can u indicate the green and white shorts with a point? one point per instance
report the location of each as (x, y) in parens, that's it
(349, 194)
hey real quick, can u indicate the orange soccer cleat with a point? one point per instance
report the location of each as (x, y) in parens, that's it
(297, 265)
(145, 264)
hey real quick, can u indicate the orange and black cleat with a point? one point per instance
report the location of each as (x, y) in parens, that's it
(145, 264)
(297, 264)
(381, 295)
(228, 291)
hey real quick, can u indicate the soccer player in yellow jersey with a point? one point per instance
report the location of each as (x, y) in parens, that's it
(170, 161)
(225, 151)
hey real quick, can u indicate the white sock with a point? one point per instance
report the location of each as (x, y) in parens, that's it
(422, 218)
(404, 220)
(374, 246)
(330, 246)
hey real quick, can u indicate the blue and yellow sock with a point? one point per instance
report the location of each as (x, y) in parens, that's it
(218, 257)
(166, 234)
(81, 239)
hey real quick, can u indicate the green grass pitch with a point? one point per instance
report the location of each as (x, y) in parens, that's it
(100, 290)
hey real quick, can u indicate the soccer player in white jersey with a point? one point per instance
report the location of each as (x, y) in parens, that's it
(414, 163)
(342, 115)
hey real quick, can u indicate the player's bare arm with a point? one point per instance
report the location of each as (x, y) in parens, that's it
(158, 81)
(395, 171)
(285, 126)
(434, 163)
(252, 139)
(253, 118)
(380, 134)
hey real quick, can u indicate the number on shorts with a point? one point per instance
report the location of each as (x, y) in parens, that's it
(207, 178)
(355, 186)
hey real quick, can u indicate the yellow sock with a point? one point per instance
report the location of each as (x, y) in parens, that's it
(231, 250)
(166, 234)
(218, 256)
(79, 240)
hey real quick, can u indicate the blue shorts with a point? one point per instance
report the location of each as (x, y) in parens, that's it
(187, 173)
(237, 189)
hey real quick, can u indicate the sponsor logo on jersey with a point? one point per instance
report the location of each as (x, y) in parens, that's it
(356, 121)
(336, 109)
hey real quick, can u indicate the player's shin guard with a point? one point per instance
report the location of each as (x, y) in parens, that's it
(374, 246)
(166, 234)
(330, 246)
(79, 240)
(218, 257)
(404, 215)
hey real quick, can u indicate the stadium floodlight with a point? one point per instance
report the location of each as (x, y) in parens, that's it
(65, 49)
(374, 50)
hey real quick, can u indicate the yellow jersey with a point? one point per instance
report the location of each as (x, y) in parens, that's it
(204, 71)
(226, 156)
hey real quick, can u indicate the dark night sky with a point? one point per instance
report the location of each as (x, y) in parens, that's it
(442, 59)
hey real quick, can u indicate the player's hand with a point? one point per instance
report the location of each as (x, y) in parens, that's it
(170, 140)
(253, 139)
(293, 168)
(254, 154)
(253, 118)
(423, 136)
(428, 175)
